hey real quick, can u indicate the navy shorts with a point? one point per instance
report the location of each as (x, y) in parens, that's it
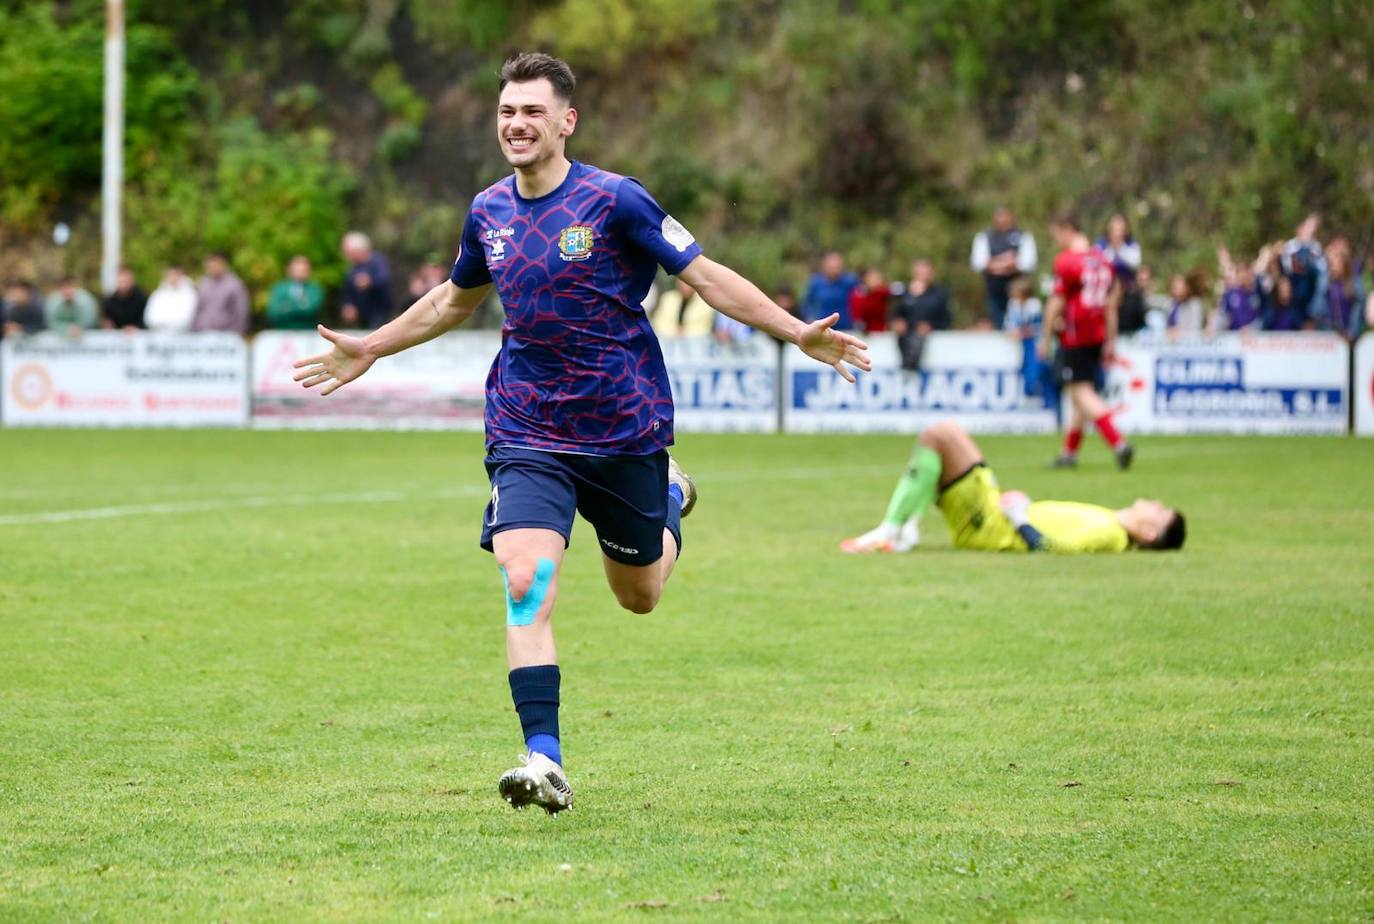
(624, 497)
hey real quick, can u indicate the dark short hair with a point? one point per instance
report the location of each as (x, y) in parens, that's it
(535, 65)
(217, 254)
(1172, 536)
(1067, 220)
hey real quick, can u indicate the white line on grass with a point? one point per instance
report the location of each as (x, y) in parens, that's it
(172, 508)
(231, 503)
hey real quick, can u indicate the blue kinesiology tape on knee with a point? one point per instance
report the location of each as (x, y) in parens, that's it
(522, 612)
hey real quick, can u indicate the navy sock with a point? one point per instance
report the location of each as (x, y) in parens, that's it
(674, 520)
(535, 693)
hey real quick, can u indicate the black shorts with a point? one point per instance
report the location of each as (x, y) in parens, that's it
(1079, 364)
(624, 497)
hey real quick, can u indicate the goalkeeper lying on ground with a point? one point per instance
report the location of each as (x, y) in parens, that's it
(981, 516)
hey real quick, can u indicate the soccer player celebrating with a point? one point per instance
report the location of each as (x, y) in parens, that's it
(949, 466)
(1086, 296)
(579, 413)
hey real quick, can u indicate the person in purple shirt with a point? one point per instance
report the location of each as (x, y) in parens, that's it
(1241, 304)
(1344, 293)
(579, 413)
(828, 291)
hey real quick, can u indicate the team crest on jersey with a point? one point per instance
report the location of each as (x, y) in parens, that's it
(575, 242)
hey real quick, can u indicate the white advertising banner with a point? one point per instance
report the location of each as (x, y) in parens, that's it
(972, 377)
(1233, 383)
(439, 384)
(116, 379)
(723, 387)
(1364, 386)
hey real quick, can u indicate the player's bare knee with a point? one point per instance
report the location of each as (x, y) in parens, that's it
(639, 600)
(524, 575)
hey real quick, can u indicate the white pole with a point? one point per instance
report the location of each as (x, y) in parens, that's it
(112, 177)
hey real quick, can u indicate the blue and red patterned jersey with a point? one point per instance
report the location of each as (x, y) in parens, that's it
(579, 370)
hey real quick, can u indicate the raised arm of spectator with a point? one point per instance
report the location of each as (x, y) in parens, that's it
(1026, 255)
(1319, 307)
(980, 256)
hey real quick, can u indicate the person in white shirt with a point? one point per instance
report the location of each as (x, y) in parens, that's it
(172, 305)
(1001, 253)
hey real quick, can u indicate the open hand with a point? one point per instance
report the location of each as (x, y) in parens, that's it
(834, 348)
(348, 360)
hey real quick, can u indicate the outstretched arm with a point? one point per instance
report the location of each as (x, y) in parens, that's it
(731, 294)
(1016, 508)
(440, 309)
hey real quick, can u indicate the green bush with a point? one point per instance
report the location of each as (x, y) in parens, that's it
(51, 107)
(263, 199)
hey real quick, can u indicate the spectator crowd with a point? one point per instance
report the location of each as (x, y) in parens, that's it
(217, 301)
(1293, 284)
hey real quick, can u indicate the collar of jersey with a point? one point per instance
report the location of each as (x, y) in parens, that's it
(556, 191)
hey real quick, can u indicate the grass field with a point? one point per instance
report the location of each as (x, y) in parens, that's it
(272, 687)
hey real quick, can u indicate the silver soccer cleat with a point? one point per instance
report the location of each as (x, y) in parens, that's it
(539, 782)
(684, 481)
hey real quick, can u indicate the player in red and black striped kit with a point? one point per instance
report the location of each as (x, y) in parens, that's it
(1083, 312)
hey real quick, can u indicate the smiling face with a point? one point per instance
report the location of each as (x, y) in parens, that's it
(533, 124)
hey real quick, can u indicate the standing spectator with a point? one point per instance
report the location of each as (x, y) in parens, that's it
(1024, 316)
(1344, 294)
(1241, 304)
(172, 306)
(70, 307)
(222, 300)
(923, 307)
(828, 292)
(367, 286)
(124, 306)
(1276, 290)
(681, 312)
(416, 287)
(868, 302)
(786, 299)
(1304, 264)
(1185, 310)
(1131, 316)
(1122, 249)
(294, 303)
(433, 274)
(727, 330)
(1000, 253)
(21, 310)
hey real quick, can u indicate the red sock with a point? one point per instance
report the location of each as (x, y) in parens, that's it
(1108, 430)
(1072, 440)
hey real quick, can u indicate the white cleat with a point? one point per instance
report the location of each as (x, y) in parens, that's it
(539, 782)
(908, 537)
(685, 483)
(881, 538)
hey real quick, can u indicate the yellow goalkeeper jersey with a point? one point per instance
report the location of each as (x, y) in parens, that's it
(1071, 527)
(972, 510)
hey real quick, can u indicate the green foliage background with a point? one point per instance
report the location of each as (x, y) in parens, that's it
(883, 127)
